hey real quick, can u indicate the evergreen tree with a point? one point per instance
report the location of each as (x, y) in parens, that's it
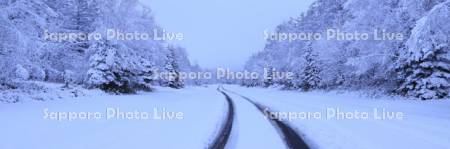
(268, 72)
(144, 76)
(114, 65)
(172, 79)
(268, 78)
(85, 17)
(365, 64)
(197, 81)
(106, 71)
(424, 68)
(311, 78)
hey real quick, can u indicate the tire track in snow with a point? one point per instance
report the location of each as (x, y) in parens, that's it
(221, 140)
(292, 139)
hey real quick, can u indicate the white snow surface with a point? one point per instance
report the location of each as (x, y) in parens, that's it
(424, 125)
(23, 126)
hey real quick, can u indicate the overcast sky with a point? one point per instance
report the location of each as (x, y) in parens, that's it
(223, 33)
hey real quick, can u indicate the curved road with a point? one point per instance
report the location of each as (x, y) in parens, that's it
(292, 139)
(221, 141)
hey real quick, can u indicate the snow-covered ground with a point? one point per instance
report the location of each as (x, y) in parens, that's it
(424, 124)
(23, 125)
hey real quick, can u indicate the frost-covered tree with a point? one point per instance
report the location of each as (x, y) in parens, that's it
(268, 72)
(424, 67)
(197, 80)
(372, 64)
(68, 78)
(310, 75)
(107, 71)
(21, 27)
(268, 77)
(172, 69)
(255, 65)
(288, 56)
(116, 65)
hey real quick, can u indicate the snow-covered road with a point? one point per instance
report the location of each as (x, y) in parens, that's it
(424, 123)
(251, 129)
(204, 113)
(291, 137)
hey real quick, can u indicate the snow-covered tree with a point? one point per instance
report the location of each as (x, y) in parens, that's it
(68, 78)
(268, 78)
(363, 64)
(172, 69)
(122, 66)
(255, 64)
(106, 70)
(268, 72)
(310, 74)
(424, 67)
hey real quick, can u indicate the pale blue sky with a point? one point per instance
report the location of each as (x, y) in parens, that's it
(223, 33)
